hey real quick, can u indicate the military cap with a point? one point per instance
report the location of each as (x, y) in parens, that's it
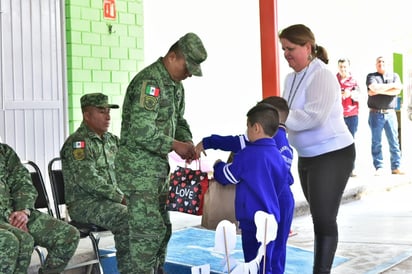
(194, 52)
(98, 100)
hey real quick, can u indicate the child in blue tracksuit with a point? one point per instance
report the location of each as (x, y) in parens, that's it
(237, 143)
(262, 183)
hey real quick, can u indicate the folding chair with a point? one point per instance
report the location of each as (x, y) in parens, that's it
(86, 229)
(42, 201)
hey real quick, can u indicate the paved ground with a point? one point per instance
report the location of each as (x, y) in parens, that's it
(375, 231)
(374, 222)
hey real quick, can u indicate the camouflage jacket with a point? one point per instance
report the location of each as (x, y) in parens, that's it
(152, 118)
(16, 189)
(88, 166)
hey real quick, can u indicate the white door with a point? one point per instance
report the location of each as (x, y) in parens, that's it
(32, 78)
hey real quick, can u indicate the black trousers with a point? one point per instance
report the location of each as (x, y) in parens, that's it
(323, 179)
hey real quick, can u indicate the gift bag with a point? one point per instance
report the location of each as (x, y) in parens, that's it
(219, 204)
(186, 190)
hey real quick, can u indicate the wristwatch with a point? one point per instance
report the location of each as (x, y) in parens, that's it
(27, 212)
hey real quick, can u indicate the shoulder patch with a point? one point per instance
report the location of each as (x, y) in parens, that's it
(152, 90)
(149, 102)
(149, 95)
(79, 149)
(78, 154)
(79, 144)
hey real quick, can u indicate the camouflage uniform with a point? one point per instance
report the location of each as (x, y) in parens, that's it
(152, 119)
(16, 248)
(91, 190)
(17, 193)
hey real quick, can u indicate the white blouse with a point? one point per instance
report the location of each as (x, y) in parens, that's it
(315, 122)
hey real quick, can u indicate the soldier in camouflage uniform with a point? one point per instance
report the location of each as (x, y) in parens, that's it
(91, 191)
(21, 226)
(152, 126)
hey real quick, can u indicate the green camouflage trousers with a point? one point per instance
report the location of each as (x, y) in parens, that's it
(16, 248)
(112, 216)
(59, 238)
(149, 226)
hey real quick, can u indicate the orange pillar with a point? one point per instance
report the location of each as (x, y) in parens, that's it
(269, 48)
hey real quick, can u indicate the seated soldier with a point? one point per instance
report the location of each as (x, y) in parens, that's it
(22, 227)
(91, 190)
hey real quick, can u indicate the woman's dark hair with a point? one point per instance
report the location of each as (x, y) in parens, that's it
(300, 34)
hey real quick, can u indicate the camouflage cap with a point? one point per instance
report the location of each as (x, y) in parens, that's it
(98, 100)
(194, 52)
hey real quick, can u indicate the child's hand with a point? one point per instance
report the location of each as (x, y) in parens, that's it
(199, 149)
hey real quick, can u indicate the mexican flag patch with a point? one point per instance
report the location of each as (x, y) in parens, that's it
(79, 144)
(152, 90)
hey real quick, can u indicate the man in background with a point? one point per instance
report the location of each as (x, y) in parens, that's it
(350, 98)
(383, 90)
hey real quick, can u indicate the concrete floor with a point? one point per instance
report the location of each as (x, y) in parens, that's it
(375, 232)
(374, 223)
(375, 226)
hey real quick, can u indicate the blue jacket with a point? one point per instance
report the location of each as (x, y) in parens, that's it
(260, 175)
(237, 143)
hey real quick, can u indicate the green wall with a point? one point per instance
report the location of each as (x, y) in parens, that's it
(398, 68)
(100, 61)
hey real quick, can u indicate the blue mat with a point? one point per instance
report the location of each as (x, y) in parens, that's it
(194, 247)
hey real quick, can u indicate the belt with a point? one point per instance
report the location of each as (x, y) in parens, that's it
(383, 110)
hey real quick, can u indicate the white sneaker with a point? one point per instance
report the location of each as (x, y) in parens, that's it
(379, 172)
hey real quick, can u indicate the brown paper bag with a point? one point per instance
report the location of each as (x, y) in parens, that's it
(219, 204)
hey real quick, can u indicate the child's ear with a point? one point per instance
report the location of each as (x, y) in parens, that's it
(257, 127)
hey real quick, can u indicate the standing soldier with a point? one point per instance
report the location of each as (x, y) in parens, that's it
(152, 126)
(92, 193)
(25, 226)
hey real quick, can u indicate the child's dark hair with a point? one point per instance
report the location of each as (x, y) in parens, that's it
(278, 102)
(266, 115)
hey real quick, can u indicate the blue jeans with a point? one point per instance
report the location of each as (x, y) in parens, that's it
(388, 122)
(352, 124)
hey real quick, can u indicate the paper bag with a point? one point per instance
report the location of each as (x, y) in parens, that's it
(218, 205)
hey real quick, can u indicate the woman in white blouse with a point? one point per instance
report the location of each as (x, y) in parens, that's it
(316, 129)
